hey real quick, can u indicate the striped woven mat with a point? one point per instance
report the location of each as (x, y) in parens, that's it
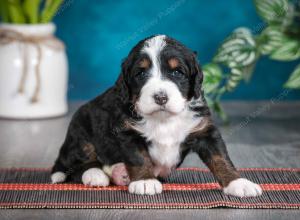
(184, 188)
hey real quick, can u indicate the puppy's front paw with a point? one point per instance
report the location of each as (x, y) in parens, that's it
(243, 188)
(95, 177)
(145, 187)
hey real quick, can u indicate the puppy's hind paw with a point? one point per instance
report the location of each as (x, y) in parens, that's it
(120, 175)
(242, 188)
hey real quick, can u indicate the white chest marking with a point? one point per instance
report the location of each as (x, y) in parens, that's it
(166, 136)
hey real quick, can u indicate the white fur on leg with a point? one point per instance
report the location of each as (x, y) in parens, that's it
(145, 187)
(242, 188)
(58, 177)
(95, 177)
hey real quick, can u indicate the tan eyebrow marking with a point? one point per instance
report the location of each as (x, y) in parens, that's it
(173, 63)
(144, 63)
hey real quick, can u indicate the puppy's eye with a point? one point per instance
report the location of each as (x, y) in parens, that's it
(176, 74)
(142, 75)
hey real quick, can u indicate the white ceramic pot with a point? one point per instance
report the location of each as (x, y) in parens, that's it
(33, 72)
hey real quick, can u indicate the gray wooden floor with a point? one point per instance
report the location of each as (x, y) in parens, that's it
(261, 134)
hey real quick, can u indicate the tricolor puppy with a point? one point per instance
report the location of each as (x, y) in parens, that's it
(149, 120)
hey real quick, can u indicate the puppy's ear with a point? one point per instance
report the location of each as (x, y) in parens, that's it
(197, 77)
(122, 82)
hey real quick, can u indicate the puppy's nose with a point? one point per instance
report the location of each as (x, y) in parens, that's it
(160, 98)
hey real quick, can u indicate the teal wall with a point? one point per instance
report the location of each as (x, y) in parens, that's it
(99, 34)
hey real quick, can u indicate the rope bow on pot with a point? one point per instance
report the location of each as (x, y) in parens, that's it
(8, 36)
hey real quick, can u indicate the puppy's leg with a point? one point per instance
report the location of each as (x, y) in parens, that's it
(72, 157)
(63, 165)
(142, 178)
(59, 172)
(212, 151)
(90, 174)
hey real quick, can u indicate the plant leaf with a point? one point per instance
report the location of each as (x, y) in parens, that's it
(247, 71)
(272, 11)
(212, 77)
(50, 8)
(238, 50)
(31, 10)
(289, 51)
(239, 53)
(294, 80)
(271, 39)
(233, 79)
(216, 106)
(15, 12)
(4, 11)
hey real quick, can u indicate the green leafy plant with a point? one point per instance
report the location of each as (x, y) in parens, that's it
(28, 11)
(237, 56)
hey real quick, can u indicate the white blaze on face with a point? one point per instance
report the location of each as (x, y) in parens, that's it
(153, 47)
(156, 83)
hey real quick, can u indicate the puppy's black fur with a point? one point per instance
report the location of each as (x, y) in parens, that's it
(99, 133)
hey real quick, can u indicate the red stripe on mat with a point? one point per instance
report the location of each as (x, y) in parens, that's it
(146, 205)
(45, 169)
(173, 187)
(243, 169)
(30, 169)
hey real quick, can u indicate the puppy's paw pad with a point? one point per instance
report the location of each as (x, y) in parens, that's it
(243, 188)
(145, 187)
(95, 177)
(58, 177)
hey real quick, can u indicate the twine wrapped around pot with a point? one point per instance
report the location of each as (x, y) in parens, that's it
(8, 36)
